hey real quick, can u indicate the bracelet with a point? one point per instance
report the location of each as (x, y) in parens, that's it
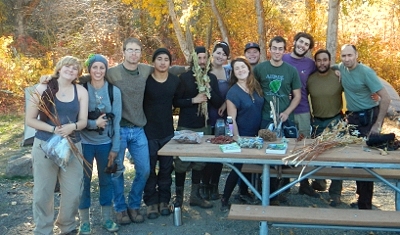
(76, 126)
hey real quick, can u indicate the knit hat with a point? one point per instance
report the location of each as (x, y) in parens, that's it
(161, 51)
(95, 58)
(224, 46)
(200, 49)
(251, 45)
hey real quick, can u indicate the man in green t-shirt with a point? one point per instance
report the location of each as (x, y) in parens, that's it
(325, 92)
(359, 82)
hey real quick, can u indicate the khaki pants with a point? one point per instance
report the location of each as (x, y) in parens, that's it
(45, 173)
(302, 121)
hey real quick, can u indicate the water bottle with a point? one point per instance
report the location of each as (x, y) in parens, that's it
(177, 214)
(219, 128)
(229, 126)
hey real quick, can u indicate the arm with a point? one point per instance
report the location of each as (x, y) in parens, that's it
(383, 107)
(116, 109)
(32, 111)
(293, 104)
(216, 100)
(222, 109)
(232, 111)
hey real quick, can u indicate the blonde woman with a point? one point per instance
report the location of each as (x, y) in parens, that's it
(70, 102)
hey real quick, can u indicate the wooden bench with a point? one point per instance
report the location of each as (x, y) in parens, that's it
(328, 173)
(318, 217)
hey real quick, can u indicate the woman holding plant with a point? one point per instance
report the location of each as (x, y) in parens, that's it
(62, 107)
(100, 141)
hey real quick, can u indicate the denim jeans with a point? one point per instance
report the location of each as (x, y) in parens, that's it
(100, 153)
(135, 140)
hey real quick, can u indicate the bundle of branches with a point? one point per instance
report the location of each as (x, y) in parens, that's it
(340, 134)
(203, 83)
(40, 103)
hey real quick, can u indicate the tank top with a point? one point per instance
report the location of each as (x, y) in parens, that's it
(67, 113)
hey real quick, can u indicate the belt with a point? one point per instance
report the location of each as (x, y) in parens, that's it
(324, 119)
(128, 125)
(365, 110)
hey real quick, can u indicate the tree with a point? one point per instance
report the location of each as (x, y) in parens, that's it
(261, 28)
(220, 21)
(332, 29)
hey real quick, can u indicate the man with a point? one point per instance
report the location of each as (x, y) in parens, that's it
(278, 80)
(252, 53)
(326, 101)
(359, 82)
(130, 77)
(161, 87)
(303, 43)
(188, 100)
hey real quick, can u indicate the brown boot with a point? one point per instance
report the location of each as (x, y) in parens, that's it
(196, 200)
(214, 192)
(135, 216)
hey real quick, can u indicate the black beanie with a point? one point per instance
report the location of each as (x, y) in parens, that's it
(200, 49)
(161, 51)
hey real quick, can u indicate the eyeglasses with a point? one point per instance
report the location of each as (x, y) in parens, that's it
(136, 51)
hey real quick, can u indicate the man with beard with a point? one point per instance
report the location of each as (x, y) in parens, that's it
(303, 43)
(359, 82)
(188, 99)
(278, 81)
(252, 53)
(326, 101)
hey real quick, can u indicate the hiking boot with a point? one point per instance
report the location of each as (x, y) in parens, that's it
(178, 200)
(123, 218)
(306, 189)
(225, 206)
(335, 201)
(135, 215)
(164, 209)
(319, 185)
(204, 191)
(214, 192)
(110, 226)
(152, 212)
(85, 229)
(196, 200)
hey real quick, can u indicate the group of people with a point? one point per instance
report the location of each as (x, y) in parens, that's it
(130, 107)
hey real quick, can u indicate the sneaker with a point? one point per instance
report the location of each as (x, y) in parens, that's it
(164, 209)
(85, 229)
(335, 201)
(307, 190)
(110, 226)
(319, 185)
(123, 218)
(135, 216)
(225, 206)
(152, 212)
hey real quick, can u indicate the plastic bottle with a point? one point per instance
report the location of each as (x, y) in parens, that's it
(229, 126)
(219, 128)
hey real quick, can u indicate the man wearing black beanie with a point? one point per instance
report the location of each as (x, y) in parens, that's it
(160, 90)
(188, 100)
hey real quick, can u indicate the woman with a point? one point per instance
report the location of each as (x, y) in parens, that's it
(212, 171)
(69, 102)
(100, 141)
(244, 102)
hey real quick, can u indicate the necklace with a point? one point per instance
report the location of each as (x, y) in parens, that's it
(247, 91)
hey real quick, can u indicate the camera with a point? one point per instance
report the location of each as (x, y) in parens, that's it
(93, 115)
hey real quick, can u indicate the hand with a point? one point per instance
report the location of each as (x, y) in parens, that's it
(337, 72)
(283, 116)
(222, 109)
(111, 158)
(375, 129)
(65, 130)
(101, 121)
(199, 98)
(45, 79)
(375, 97)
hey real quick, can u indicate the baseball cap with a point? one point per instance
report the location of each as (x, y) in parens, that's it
(251, 45)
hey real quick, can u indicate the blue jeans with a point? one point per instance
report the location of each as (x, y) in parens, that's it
(135, 140)
(100, 153)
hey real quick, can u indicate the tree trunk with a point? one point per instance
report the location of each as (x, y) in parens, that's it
(332, 29)
(220, 21)
(188, 33)
(178, 31)
(261, 28)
